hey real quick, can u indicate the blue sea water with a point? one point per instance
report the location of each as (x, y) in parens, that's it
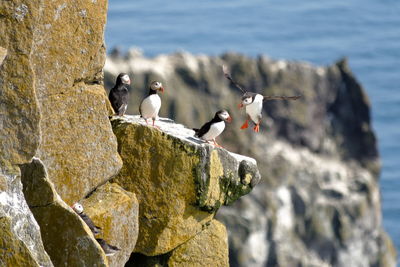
(365, 31)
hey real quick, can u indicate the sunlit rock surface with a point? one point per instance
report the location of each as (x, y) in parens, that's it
(116, 212)
(52, 106)
(66, 238)
(179, 180)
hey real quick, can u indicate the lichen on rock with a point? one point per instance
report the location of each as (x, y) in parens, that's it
(208, 248)
(13, 251)
(116, 212)
(66, 238)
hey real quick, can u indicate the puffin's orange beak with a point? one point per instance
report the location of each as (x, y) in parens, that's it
(229, 119)
(240, 105)
(162, 89)
(129, 82)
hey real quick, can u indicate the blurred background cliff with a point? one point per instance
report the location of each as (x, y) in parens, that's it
(328, 159)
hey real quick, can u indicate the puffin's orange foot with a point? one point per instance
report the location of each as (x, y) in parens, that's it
(245, 125)
(216, 144)
(257, 128)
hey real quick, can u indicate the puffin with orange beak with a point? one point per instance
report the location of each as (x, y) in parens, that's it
(253, 102)
(150, 105)
(212, 129)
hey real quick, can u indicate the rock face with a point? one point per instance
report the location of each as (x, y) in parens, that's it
(209, 248)
(116, 212)
(318, 203)
(179, 180)
(52, 106)
(66, 237)
(19, 131)
(67, 60)
(14, 252)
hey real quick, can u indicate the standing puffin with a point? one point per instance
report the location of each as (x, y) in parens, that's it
(253, 102)
(150, 105)
(119, 94)
(210, 130)
(78, 208)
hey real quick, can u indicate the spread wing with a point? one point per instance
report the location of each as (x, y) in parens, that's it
(228, 76)
(278, 97)
(204, 129)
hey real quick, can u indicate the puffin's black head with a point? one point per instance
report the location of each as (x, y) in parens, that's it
(223, 115)
(247, 99)
(123, 78)
(157, 86)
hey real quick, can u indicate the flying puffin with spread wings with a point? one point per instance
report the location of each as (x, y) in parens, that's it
(253, 102)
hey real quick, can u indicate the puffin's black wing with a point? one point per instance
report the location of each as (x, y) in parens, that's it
(95, 229)
(277, 97)
(203, 130)
(113, 99)
(140, 106)
(118, 98)
(125, 95)
(228, 76)
(107, 248)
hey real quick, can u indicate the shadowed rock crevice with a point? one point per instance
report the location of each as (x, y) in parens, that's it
(208, 248)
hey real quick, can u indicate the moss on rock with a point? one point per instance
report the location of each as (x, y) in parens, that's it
(116, 212)
(13, 251)
(208, 248)
(66, 238)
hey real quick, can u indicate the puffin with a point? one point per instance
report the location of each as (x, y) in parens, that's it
(253, 102)
(108, 249)
(210, 130)
(119, 94)
(151, 104)
(78, 208)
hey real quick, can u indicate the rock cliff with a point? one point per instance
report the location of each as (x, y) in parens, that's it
(59, 147)
(56, 141)
(318, 203)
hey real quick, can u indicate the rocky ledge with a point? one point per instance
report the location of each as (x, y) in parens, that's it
(180, 181)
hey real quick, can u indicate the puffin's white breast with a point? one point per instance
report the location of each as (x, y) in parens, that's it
(150, 106)
(254, 110)
(215, 130)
